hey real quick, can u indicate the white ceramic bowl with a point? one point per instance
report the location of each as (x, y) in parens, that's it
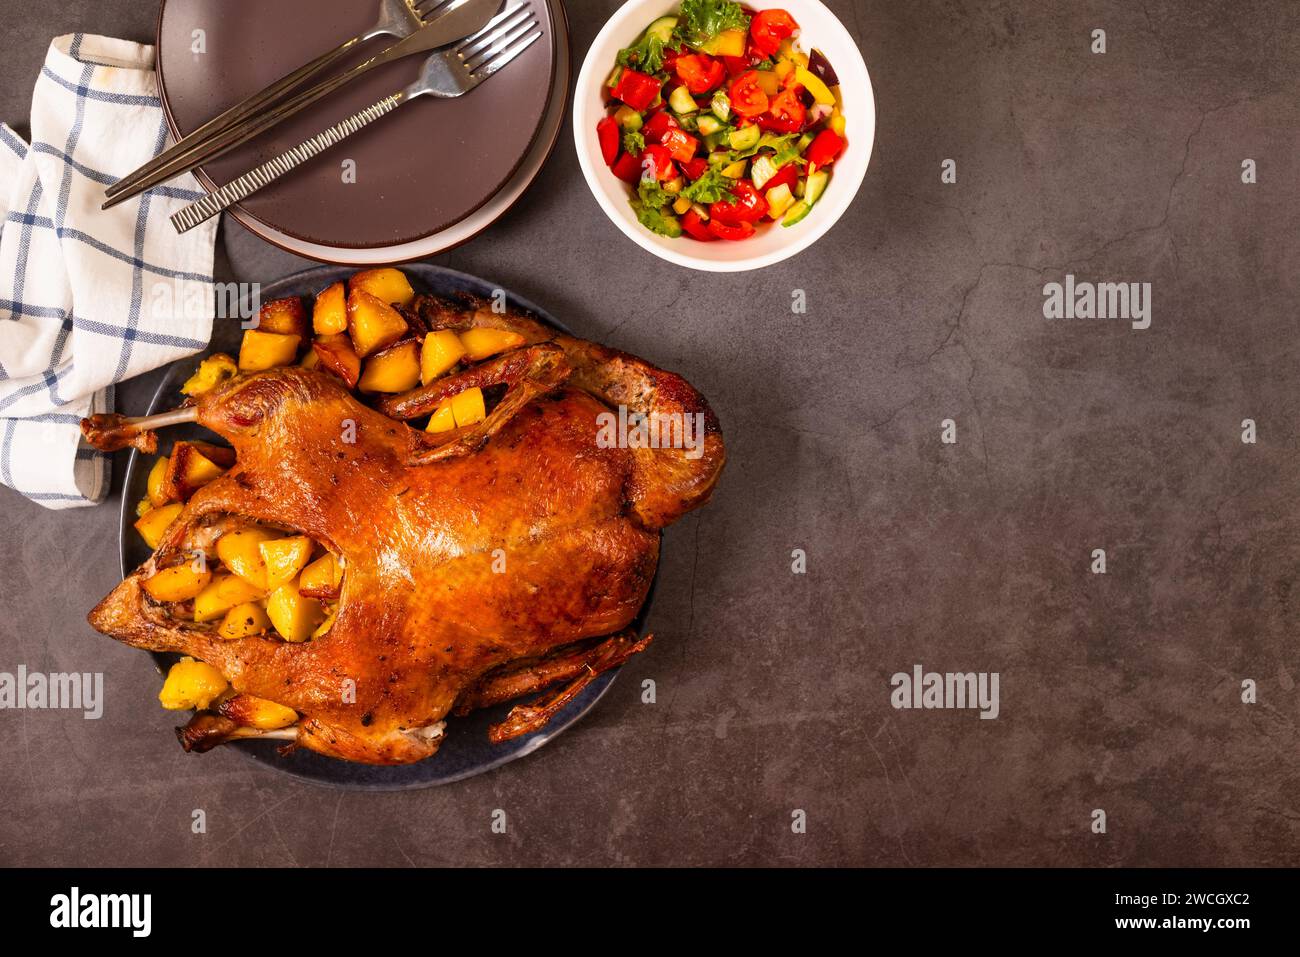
(818, 28)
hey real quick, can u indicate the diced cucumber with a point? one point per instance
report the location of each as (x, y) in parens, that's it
(745, 138)
(805, 141)
(763, 169)
(796, 213)
(686, 121)
(681, 101)
(720, 158)
(717, 138)
(662, 28)
(721, 105)
(815, 187)
(628, 118)
(708, 124)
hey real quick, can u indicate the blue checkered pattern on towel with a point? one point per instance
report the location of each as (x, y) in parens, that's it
(88, 297)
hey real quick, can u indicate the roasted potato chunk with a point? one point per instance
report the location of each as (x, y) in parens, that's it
(241, 552)
(193, 465)
(442, 349)
(153, 523)
(242, 620)
(155, 485)
(294, 616)
(372, 324)
(250, 711)
(191, 684)
(178, 583)
(322, 578)
(337, 355)
(395, 369)
(260, 351)
(329, 315)
(284, 558)
(223, 593)
(481, 342)
(285, 317)
(468, 407)
(212, 371)
(390, 286)
(442, 419)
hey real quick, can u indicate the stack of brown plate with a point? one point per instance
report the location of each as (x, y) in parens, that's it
(429, 177)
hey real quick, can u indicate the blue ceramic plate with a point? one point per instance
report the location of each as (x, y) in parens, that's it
(466, 750)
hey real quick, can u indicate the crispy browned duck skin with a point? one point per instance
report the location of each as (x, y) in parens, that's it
(422, 617)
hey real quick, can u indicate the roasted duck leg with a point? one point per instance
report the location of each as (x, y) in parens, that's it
(480, 564)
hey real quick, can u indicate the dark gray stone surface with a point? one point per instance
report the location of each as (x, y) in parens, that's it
(1119, 691)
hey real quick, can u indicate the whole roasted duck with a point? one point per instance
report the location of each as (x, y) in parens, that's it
(479, 564)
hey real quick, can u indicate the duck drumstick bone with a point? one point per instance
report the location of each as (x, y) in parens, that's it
(109, 431)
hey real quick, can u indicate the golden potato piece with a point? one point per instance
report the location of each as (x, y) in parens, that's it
(442, 419)
(250, 711)
(193, 465)
(266, 350)
(285, 317)
(329, 316)
(481, 342)
(157, 476)
(178, 583)
(371, 323)
(390, 286)
(191, 684)
(395, 369)
(337, 355)
(294, 616)
(467, 407)
(322, 578)
(240, 551)
(242, 620)
(142, 506)
(442, 349)
(223, 593)
(212, 371)
(284, 558)
(155, 522)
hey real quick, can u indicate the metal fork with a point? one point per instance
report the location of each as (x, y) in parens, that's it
(447, 74)
(397, 18)
(459, 18)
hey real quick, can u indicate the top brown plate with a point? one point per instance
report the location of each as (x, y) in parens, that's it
(419, 171)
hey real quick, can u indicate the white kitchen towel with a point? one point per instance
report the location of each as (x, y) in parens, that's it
(88, 297)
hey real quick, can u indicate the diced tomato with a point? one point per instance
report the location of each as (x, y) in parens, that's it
(734, 233)
(736, 65)
(787, 174)
(628, 168)
(823, 150)
(608, 133)
(658, 155)
(746, 206)
(786, 114)
(769, 28)
(696, 227)
(700, 73)
(695, 168)
(637, 90)
(747, 97)
(670, 58)
(681, 146)
(657, 125)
